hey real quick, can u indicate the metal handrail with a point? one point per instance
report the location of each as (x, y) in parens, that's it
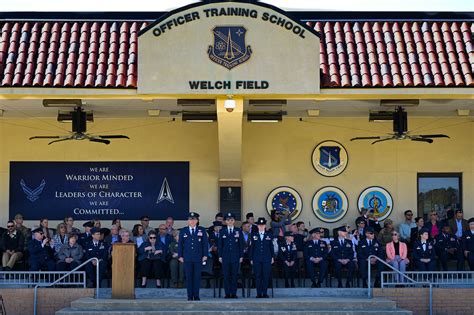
(35, 302)
(370, 289)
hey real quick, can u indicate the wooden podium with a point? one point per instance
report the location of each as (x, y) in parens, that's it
(123, 271)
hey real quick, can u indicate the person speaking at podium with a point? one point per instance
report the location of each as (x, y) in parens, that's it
(192, 252)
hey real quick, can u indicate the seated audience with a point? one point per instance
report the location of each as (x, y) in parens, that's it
(114, 236)
(397, 252)
(405, 227)
(60, 238)
(368, 247)
(415, 232)
(12, 244)
(448, 247)
(150, 260)
(287, 254)
(23, 229)
(176, 267)
(279, 221)
(433, 225)
(169, 225)
(117, 223)
(139, 235)
(70, 229)
(385, 235)
(424, 252)
(458, 224)
(100, 250)
(86, 237)
(468, 244)
(316, 253)
(70, 254)
(49, 233)
(343, 256)
(40, 252)
(145, 223)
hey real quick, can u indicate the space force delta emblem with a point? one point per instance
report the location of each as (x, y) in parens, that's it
(229, 48)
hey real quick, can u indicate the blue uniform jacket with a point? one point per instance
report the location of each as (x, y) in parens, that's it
(261, 250)
(287, 252)
(313, 249)
(468, 241)
(84, 239)
(38, 253)
(345, 251)
(419, 253)
(364, 250)
(193, 247)
(165, 246)
(443, 243)
(230, 247)
(100, 251)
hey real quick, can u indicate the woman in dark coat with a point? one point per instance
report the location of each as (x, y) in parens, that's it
(69, 255)
(150, 260)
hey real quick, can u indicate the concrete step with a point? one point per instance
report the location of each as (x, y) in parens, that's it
(72, 311)
(276, 304)
(153, 293)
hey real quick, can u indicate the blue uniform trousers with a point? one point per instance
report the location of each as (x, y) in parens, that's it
(470, 260)
(444, 257)
(262, 272)
(350, 270)
(426, 266)
(192, 271)
(323, 269)
(91, 271)
(230, 271)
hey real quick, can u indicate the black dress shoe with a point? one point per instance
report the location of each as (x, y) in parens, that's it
(339, 284)
(259, 296)
(265, 296)
(228, 296)
(287, 285)
(318, 285)
(348, 284)
(190, 299)
(143, 285)
(234, 296)
(197, 299)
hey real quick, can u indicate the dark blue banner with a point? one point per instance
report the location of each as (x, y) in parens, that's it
(104, 190)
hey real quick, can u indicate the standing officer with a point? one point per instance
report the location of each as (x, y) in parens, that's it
(424, 252)
(449, 247)
(287, 253)
(316, 253)
(370, 246)
(193, 248)
(231, 252)
(98, 249)
(468, 244)
(262, 257)
(342, 253)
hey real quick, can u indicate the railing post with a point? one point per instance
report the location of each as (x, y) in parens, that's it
(97, 279)
(431, 298)
(369, 278)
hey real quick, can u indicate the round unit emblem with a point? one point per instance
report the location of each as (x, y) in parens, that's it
(330, 204)
(329, 158)
(285, 199)
(377, 201)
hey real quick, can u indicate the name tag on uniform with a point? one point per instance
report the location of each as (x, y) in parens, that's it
(309, 246)
(363, 246)
(418, 248)
(255, 238)
(90, 249)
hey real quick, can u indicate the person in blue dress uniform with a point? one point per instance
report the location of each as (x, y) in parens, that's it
(85, 237)
(448, 246)
(262, 257)
(40, 252)
(316, 254)
(342, 253)
(193, 248)
(99, 249)
(231, 252)
(424, 253)
(468, 244)
(370, 246)
(287, 254)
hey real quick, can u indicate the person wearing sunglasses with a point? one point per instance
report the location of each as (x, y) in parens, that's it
(368, 247)
(40, 252)
(405, 227)
(149, 260)
(12, 245)
(397, 252)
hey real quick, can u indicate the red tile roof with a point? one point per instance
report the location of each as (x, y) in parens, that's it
(353, 54)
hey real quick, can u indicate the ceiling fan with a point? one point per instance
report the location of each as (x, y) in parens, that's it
(79, 121)
(400, 127)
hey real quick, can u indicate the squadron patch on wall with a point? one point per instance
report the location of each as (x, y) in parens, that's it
(229, 48)
(330, 204)
(377, 201)
(329, 158)
(285, 199)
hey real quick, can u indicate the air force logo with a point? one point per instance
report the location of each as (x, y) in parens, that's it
(329, 158)
(229, 48)
(32, 194)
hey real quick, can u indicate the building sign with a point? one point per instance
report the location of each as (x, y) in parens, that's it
(104, 190)
(228, 48)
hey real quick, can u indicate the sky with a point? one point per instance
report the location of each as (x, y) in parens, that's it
(291, 5)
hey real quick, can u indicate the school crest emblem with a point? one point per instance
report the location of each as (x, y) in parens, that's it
(229, 49)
